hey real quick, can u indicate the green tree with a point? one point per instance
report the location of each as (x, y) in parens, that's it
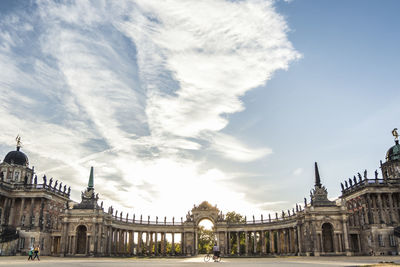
(206, 240)
(233, 217)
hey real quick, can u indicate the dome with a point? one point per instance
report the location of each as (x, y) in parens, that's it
(17, 157)
(393, 152)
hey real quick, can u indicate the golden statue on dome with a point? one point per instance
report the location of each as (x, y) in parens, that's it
(18, 139)
(395, 134)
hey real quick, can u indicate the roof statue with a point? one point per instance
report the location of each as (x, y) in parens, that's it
(19, 144)
(395, 134)
(17, 157)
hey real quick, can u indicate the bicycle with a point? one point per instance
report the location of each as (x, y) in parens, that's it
(208, 257)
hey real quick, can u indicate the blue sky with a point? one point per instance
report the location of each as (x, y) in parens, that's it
(178, 102)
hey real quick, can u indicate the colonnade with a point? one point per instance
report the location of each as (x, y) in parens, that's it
(21, 211)
(262, 242)
(374, 208)
(130, 242)
(114, 241)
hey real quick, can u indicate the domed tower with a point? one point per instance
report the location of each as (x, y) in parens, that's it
(391, 168)
(15, 166)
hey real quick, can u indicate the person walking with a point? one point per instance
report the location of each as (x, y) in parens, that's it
(36, 252)
(30, 254)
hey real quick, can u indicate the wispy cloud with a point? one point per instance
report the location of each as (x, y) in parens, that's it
(298, 171)
(140, 89)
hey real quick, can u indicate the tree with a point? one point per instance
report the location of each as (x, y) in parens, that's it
(206, 240)
(233, 217)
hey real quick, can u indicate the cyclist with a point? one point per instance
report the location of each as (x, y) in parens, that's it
(216, 252)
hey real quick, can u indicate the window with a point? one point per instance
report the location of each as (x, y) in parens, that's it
(23, 220)
(380, 240)
(42, 244)
(16, 176)
(21, 242)
(392, 240)
(33, 220)
(32, 241)
(1, 213)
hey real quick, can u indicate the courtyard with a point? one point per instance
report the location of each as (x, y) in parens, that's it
(198, 261)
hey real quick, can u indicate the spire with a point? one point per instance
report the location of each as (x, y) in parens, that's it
(91, 182)
(317, 178)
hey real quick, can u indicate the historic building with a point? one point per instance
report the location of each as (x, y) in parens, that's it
(362, 221)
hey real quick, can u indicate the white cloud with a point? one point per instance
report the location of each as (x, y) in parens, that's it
(231, 148)
(298, 171)
(141, 90)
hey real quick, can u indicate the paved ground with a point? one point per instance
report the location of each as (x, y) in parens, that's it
(198, 261)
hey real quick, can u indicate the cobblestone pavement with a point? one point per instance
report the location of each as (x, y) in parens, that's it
(198, 261)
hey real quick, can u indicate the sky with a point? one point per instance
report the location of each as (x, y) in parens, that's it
(176, 102)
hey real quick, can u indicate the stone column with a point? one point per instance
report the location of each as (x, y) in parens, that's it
(246, 243)
(380, 210)
(32, 208)
(165, 244)
(271, 242)
(296, 240)
(101, 240)
(227, 243)
(12, 208)
(131, 242)
(183, 243)
(114, 241)
(334, 240)
(365, 214)
(255, 242)
(278, 242)
(195, 239)
(139, 244)
(370, 211)
(64, 239)
(73, 245)
(346, 239)
(21, 212)
(3, 212)
(150, 248)
(126, 241)
(109, 244)
(173, 244)
(299, 240)
(238, 243)
(391, 212)
(263, 248)
(156, 243)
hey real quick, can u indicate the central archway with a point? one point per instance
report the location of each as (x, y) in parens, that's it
(81, 239)
(205, 236)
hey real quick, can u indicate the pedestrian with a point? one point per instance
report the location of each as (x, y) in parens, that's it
(36, 252)
(30, 254)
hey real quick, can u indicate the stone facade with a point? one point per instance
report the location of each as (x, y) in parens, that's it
(360, 222)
